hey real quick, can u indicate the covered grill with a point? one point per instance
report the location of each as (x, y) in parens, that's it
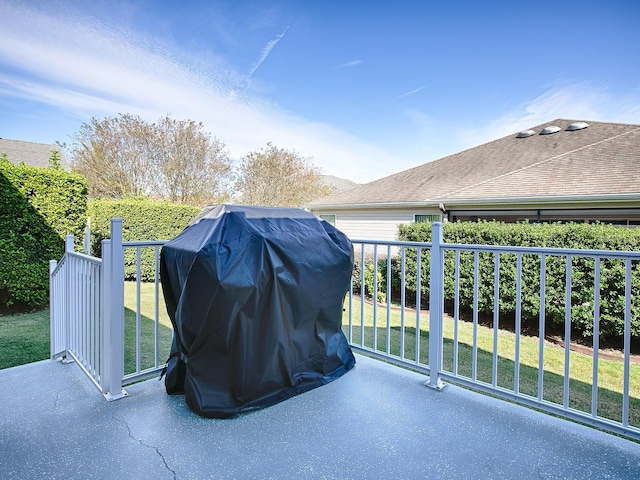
(255, 296)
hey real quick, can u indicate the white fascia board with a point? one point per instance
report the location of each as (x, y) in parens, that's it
(534, 201)
(489, 202)
(358, 206)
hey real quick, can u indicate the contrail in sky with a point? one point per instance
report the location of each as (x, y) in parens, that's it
(416, 90)
(353, 63)
(267, 50)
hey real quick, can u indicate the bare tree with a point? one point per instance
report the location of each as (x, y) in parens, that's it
(192, 167)
(114, 155)
(279, 178)
(173, 159)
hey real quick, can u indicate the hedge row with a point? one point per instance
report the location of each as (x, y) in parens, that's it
(577, 236)
(38, 208)
(141, 220)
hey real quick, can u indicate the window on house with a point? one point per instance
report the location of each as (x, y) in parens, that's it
(329, 218)
(426, 218)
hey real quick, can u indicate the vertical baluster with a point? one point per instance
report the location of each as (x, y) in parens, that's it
(418, 306)
(403, 299)
(627, 342)
(375, 297)
(474, 355)
(351, 309)
(156, 308)
(541, 331)
(496, 316)
(96, 321)
(362, 294)
(596, 339)
(516, 366)
(388, 346)
(138, 316)
(456, 312)
(567, 333)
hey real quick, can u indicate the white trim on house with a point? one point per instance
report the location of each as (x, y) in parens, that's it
(329, 217)
(514, 202)
(379, 224)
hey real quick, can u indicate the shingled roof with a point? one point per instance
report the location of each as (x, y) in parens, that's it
(35, 154)
(602, 159)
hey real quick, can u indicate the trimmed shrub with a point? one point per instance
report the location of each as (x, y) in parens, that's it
(369, 284)
(142, 219)
(38, 208)
(575, 236)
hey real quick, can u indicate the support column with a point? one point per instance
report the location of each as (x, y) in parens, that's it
(114, 309)
(436, 307)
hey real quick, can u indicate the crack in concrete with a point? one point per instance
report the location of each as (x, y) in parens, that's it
(153, 447)
(55, 402)
(61, 391)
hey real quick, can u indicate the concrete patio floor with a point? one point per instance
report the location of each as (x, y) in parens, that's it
(376, 422)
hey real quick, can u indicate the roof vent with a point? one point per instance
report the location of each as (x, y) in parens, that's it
(549, 130)
(577, 126)
(525, 134)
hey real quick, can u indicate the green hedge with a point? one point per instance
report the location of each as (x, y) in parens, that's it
(38, 208)
(141, 220)
(579, 236)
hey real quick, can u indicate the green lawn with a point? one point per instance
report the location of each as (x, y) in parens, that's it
(147, 327)
(610, 372)
(24, 338)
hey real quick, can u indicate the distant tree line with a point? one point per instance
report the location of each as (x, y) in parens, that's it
(177, 160)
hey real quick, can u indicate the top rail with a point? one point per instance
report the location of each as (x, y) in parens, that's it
(85, 257)
(507, 249)
(563, 252)
(144, 243)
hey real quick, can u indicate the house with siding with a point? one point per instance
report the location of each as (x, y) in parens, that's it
(560, 171)
(31, 153)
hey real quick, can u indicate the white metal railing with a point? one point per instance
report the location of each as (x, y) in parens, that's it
(87, 314)
(144, 369)
(75, 311)
(413, 337)
(398, 330)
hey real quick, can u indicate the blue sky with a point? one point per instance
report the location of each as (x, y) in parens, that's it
(364, 88)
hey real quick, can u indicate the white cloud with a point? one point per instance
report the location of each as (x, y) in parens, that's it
(352, 63)
(573, 101)
(433, 138)
(88, 69)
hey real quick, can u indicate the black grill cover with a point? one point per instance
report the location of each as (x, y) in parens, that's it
(255, 297)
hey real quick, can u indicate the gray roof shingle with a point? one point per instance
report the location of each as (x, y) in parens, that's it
(35, 154)
(602, 159)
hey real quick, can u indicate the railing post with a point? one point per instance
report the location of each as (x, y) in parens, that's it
(114, 314)
(436, 307)
(68, 244)
(86, 241)
(53, 317)
(105, 316)
(69, 314)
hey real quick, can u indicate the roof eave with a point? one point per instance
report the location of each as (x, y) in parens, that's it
(488, 202)
(532, 201)
(355, 206)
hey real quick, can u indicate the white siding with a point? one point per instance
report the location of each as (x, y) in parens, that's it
(374, 223)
